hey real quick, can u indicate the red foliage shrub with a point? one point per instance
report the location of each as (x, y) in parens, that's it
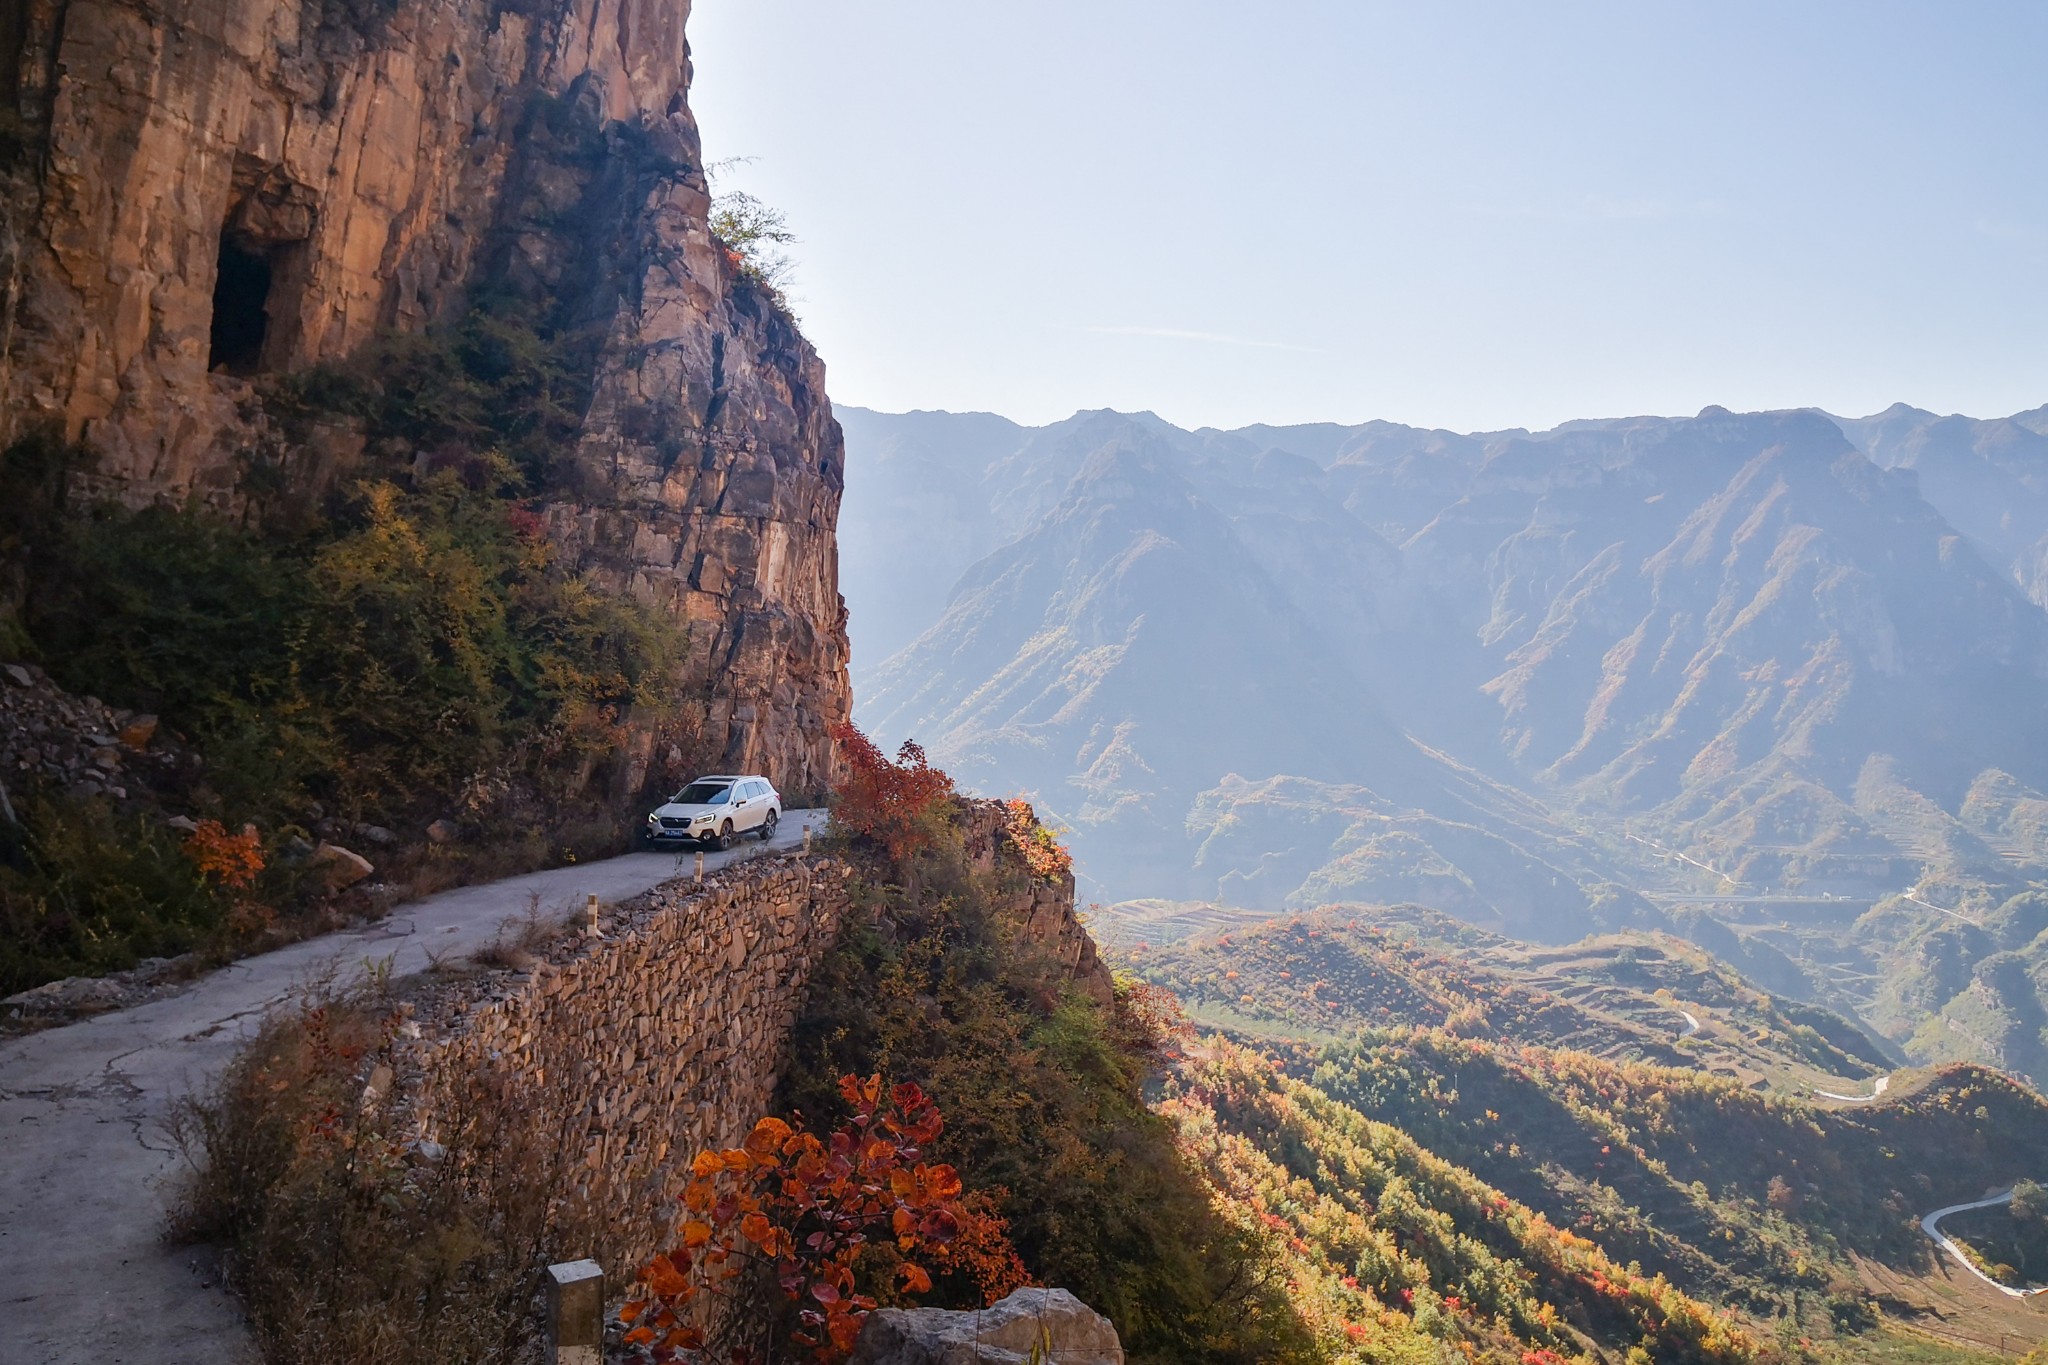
(809, 1213)
(231, 860)
(895, 805)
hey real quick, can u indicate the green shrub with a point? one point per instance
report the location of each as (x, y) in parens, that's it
(1043, 1096)
(84, 892)
(496, 379)
(418, 636)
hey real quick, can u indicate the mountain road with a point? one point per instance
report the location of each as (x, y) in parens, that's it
(1931, 1225)
(86, 1165)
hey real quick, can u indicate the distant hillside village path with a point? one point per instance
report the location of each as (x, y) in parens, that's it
(84, 1159)
(1931, 1225)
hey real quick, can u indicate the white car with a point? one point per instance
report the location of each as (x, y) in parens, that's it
(716, 810)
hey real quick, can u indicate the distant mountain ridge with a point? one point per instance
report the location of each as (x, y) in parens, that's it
(1284, 666)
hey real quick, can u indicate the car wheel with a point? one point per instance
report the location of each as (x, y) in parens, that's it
(724, 839)
(768, 825)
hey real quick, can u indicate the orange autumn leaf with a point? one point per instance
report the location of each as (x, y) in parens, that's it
(664, 1279)
(767, 1136)
(845, 1330)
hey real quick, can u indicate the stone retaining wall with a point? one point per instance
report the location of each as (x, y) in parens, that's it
(632, 1050)
(651, 1041)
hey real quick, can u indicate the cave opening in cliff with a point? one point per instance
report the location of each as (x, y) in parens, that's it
(241, 319)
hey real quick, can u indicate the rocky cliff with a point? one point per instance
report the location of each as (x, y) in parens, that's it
(204, 198)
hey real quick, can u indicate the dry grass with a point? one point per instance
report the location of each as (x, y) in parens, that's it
(521, 938)
(351, 1239)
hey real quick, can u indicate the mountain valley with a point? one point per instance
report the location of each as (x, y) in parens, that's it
(1773, 682)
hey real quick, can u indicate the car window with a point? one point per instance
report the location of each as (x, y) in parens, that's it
(759, 789)
(704, 794)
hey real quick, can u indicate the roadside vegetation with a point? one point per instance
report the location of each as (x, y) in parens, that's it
(346, 1237)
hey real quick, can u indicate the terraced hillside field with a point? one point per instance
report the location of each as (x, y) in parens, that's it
(1629, 996)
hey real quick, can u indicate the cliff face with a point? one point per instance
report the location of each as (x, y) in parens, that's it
(204, 195)
(1040, 910)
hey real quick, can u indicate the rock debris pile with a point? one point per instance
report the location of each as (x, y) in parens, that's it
(80, 746)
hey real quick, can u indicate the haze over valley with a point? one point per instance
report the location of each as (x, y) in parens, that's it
(1777, 682)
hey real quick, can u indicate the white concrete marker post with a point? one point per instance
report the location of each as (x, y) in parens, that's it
(576, 1313)
(700, 864)
(807, 841)
(590, 916)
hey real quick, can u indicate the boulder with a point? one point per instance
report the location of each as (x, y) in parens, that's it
(138, 732)
(443, 832)
(1031, 1327)
(339, 867)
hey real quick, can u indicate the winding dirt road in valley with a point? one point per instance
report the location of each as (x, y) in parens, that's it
(1878, 1087)
(1931, 1225)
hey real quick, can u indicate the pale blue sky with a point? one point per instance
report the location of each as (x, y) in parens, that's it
(1458, 214)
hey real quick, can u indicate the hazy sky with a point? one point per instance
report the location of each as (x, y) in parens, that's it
(1457, 214)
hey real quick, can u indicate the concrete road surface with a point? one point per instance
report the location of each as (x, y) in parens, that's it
(84, 1163)
(1931, 1225)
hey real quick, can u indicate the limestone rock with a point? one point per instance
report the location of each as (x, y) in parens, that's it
(1032, 1326)
(217, 192)
(1045, 908)
(78, 996)
(339, 867)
